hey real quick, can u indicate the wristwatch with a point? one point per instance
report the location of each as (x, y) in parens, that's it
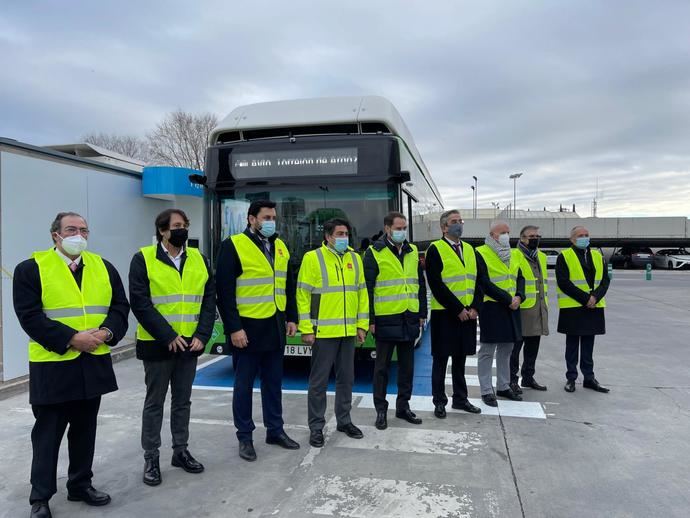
(108, 333)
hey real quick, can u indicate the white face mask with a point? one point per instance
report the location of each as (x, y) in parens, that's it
(74, 245)
(504, 240)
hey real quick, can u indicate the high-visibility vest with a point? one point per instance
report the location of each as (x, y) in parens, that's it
(332, 294)
(460, 278)
(531, 281)
(260, 290)
(577, 277)
(176, 297)
(502, 275)
(65, 302)
(397, 284)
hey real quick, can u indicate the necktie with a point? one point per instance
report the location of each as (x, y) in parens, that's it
(73, 266)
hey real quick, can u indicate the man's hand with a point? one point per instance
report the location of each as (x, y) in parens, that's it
(422, 322)
(473, 314)
(291, 329)
(515, 304)
(361, 335)
(308, 339)
(178, 344)
(372, 329)
(85, 341)
(592, 302)
(101, 334)
(464, 316)
(196, 345)
(239, 339)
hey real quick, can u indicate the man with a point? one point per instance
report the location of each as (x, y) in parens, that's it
(73, 306)
(333, 307)
(256, 300)
(581, 275)
(451, 269)
(534, 310)
(395, 284)
(173, 297)
(503, 285)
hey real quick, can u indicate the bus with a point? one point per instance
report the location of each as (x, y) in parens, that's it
(350, 157)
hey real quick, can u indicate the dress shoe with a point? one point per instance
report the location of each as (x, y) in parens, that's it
(40, 510)
(408, 415)
(89, 496)
(594, 385)
(152, 472)
(531, 383)
(184, 460)
(350, 430)
(316, 438)
(467, 407)
(247, 451)
(569, 386)
(490, 400)
(381, 421)
(515, 388)
(509, 394)
(283, 441)
(440, 411)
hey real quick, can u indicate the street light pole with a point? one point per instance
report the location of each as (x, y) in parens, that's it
(514, 177)
(476, 196)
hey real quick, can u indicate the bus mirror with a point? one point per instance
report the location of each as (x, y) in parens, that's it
(404, 177)
(198, 179)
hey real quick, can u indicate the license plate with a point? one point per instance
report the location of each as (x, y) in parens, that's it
(297, 350)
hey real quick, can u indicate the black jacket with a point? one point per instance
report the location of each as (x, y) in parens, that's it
(403, 327)
(149, 317)
(88, 375)
(264, 334)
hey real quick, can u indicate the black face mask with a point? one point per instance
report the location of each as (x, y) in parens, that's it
(533, 243)
(178, 237)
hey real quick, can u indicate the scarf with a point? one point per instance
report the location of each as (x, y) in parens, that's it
(503, 253)
(530, 254)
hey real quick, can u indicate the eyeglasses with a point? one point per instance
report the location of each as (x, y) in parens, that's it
(73, 231)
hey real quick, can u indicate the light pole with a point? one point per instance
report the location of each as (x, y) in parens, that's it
(496, 207)
(514, 177)
(476, 196)
(474, 193)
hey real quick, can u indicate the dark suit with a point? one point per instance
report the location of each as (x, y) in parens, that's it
(66, 392)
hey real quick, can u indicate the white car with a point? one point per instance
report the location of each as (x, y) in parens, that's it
(672, 259)
(551, 256)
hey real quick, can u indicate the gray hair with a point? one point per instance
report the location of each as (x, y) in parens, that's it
(447, 214)
(527, 228)
(497, 223)
(575, 229)
(56, 225)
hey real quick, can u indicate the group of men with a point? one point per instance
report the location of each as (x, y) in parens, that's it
(72, 304)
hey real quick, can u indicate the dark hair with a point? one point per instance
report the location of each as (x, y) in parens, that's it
(527, 228)
(329, 226)
(390, 218)
(257, 205)
(56, 225)
(163, 221)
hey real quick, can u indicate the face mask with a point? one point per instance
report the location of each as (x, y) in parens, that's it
(455, 230)
(268, 228)
(74, 245)
(533, 243)
(178, 237)
(341, 244)
(582, 242)
(504, 240)
(398, 236)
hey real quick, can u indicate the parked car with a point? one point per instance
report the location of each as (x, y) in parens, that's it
(551, 256)
(673, 259)
(632, 257)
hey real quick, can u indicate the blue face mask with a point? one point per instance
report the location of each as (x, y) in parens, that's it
(455, 230)
(341, 244)
(582, 242)
(398, 236)
(268, 228)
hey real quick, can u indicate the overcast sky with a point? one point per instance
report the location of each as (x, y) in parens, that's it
(565, 92)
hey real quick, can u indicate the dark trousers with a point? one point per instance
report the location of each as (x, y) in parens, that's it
(438, 379)
(177, 372)
(269, 366)
(531, 350)
(384, 353)
(46, 436)
(585, 346)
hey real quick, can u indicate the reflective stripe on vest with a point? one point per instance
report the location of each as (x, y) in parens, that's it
(531, 281)
(260, 289)
(64, 302)
(577, 277)
(505, 277)
(397, 284)
(176, 297)
(460, 278)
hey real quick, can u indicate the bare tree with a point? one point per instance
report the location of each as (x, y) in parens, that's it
(128, 145)
(181, 139)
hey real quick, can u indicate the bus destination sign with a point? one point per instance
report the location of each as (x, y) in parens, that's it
(299, 162)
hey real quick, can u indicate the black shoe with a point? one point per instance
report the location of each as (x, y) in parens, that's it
(569, 386)
(247, 451)
(316, 438)
(467, 407)
(89, 496)
(440, 411)
(185, 461)
(350, 430)
(152, 472)
(381, 420)
(490, 400)
(515, 388)
(594, 385)
(531, 383)
(283, 441)
(40, 510)
(408, 415)
(509, 394)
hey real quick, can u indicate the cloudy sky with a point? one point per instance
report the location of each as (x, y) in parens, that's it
(566, 92)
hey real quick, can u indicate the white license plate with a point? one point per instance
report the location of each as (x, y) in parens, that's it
(297, 350)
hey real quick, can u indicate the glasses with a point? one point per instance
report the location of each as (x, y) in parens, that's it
(73, 231)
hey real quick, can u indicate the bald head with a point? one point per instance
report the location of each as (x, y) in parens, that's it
(499, 227)
(578, 231)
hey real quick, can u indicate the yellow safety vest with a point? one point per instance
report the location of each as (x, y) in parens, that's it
(176, 297)
(260, 289)
(531, 281)
(460, 278)
(577, 277)
(332, 298)
(505, 277)
(64, 302)
(397, 284)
